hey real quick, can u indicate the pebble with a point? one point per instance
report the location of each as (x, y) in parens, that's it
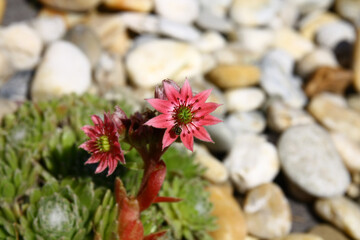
(242, 122)
(320, 57)
(244, 99)
(308, 6)
(251, 162)
(112, 33)
(356, 61)
(49, 28)
(234, 54)
(209, 21)
(328, 79)
(147, 74)
(254, 13)
(140, 22)
(17, 87)
(332, 34)
(222, 135)
(215, 171)
(277, 78)
(178, 30)
(300, 236)
(254, 40)
(133, 5)
(310, 23)
(230, 218)
(74, 5)
(217, 7)
(208, 62)
(182, 11)
(292, 42)
(328, 232)
(308, 157)
(354, 102)
(342, 212)
(281, 116)
(70, 18)
(234, 76)
(6, 69)
(267, 212)
(23, 55)
(56, 75)
(109, 73)
(7, 107)
(86, 40)
(335, 116)
(210, 41)
(2, 9)
(349, 151)
(348, 9)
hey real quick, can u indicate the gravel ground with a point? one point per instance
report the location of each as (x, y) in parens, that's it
(20, 10)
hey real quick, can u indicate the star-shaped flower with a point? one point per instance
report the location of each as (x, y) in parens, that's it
(183, 114)
(103, 144)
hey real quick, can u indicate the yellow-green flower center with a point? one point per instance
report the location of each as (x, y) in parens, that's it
(184, 115)
(103, 143)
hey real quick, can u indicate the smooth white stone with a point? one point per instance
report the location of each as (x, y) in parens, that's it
(309, 158)
(209, 21)
(151, 62)
(251, 162)
(281, 116)
(49, 28)
(241, 122)
(255, 12)
(333, 33)
(342, 212)
(140, 22)
(215, 171)
(178, 30)
(22, 45)
(349, 151)
(217, 7)
(182, 11)
(210, 41)
(255, 40)
(307, 6)
(64, 69)
(277, 79)
(244, 99)
(292, 42)
(320, 57)
(222, 136)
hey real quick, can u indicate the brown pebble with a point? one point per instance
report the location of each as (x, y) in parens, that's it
(328, 79)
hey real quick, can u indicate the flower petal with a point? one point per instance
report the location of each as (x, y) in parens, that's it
(188, 140)
(90, 131)
(112, 165)
(201, 97)
(202, 134)
(208, 120)
(97, 121)
(103, 164)
(169, 138)
(171, 93)
(186, 91)
(205, 108)
(160, 105)
(95, 158)
(161, 121)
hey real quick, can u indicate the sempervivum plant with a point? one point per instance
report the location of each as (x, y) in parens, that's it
(61, 211)
(190, 218)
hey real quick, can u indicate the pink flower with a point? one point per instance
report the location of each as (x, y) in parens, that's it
(103, 144)
(183, 114)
